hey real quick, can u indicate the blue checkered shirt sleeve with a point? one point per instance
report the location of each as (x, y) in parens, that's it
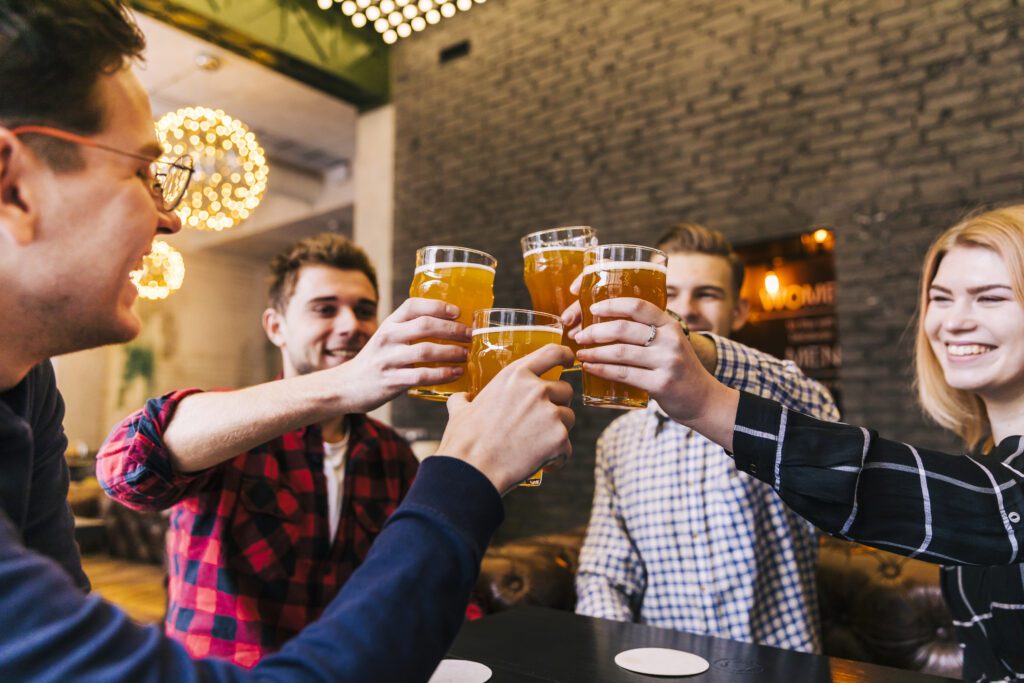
(741, 367)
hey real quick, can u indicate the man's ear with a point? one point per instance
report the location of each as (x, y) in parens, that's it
(17, 214)
(273, 325)
(742, 313)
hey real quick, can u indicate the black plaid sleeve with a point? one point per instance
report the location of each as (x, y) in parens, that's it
(851, 483)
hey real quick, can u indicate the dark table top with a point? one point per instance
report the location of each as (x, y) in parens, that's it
(533, 644)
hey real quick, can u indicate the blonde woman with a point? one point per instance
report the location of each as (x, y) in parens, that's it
(965, 512)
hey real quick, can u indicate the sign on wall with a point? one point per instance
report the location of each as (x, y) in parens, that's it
(791, 286)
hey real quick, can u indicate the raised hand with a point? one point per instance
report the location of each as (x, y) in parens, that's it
(389, 363)
(517, 424)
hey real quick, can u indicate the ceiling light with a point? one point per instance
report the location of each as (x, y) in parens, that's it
(387, 6)
(325, 4)
(163, 271)
(409, 12)
(359, 20)
(464, 5)
(448, 10)
(390, 37)
(433, 16)
(381, 25)
(419, 23)
(348, 8)
(373, 13)
(404, 30)
(231, 168)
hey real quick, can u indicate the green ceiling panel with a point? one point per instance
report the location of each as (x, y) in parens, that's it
(294, 37)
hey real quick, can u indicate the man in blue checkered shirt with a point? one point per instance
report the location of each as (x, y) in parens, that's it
(678, 537)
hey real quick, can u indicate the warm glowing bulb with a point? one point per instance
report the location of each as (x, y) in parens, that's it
(448, 10)
(325, 4)
(426, 5)
(433, 16)
(349, 8)
(464, 5)
(404, 30)
(419, 23)
(162, 272)
(820, 235)
(387, 6)
(359, 20)
(373, 13)
(381, 25)
(390, 37)
(771, 282)
(409, 12)
(395, 18)
(363, 4)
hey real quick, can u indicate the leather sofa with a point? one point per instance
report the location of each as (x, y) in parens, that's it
(875, 606)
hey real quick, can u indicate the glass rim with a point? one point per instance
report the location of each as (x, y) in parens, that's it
(547, 231)
(423, 250)
(485, 312)
(639, 247)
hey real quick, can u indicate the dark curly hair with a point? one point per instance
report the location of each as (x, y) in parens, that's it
(51, 54)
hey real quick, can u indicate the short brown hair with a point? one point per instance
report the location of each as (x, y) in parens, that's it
(325, 249)
(51, 55)
(695, 238)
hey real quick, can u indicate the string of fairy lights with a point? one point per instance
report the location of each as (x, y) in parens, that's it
(396, 19)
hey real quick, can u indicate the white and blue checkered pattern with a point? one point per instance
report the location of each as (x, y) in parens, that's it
(678, 538)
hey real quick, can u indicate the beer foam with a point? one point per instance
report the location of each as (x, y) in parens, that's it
(450, 264)
(541, 250)
(625, 265)
(519, 328)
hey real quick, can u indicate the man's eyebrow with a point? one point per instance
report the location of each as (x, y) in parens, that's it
(152, 150)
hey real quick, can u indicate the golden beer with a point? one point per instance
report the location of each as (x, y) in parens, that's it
(552, 259)
(633, 275)
(462, 281)
(504, 335)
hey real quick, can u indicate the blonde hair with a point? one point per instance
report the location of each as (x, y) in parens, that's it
(963, 412)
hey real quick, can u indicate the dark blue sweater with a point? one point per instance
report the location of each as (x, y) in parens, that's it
(393, 620)
(33, 472)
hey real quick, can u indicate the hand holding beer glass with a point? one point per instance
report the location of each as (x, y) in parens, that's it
(459, 276)
(504, 335)
(612, 271)
(552, 259)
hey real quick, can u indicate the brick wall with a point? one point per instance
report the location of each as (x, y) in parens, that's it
(883, 120)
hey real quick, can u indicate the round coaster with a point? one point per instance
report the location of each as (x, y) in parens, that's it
(460, 671)
(658, 661)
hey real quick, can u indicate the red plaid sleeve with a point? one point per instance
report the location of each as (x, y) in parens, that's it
(133, 466)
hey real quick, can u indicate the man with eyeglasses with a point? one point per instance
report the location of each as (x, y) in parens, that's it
(80, 203)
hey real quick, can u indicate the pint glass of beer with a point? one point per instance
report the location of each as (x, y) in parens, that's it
(455, 275)
(552, 259)
(503, 335)
(619, 270)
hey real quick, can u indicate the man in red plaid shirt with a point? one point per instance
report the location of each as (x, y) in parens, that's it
(268, 517)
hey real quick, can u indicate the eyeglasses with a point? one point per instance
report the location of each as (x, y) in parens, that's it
(168, 179)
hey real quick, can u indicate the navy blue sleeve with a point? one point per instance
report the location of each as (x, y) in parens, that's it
(393, 621)
(50, 525)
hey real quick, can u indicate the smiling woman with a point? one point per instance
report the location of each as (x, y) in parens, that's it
(970, 340)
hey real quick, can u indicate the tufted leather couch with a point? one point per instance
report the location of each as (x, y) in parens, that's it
(875, 606)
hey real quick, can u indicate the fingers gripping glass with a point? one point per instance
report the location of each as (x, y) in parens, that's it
(168, 178)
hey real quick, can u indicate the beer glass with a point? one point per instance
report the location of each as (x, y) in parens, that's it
(455, 275)
(552, 259)
(611, 271)
(503, 335)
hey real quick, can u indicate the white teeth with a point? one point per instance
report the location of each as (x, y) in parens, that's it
(967, 349)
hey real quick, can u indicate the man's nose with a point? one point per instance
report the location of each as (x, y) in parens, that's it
(169, 223)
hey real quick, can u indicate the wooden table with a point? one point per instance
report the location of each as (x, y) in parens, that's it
(534, 645)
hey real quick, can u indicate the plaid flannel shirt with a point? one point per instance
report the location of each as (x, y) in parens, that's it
(250, 560)
(954, 510)
(679, 539)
